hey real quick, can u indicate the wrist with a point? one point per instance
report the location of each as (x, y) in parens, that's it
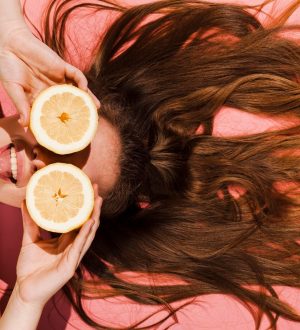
(13, 11)
(13, 28)
(20, 314)
(25, 303)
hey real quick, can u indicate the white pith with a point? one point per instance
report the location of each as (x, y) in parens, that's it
(13, 162)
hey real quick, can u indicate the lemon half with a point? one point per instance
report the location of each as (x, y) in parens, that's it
(60, 197)
(64, 119)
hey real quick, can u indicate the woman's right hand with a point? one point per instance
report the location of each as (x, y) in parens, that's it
(44, 266)
(27, 66)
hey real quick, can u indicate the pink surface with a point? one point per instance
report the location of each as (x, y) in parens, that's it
(205, 312)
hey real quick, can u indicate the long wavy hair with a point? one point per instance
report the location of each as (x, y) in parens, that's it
(161, 70)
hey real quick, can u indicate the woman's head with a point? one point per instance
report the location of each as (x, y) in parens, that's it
(164, 75)
(103, 153)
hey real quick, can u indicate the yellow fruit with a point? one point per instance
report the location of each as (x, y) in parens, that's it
(60, 197)
(64, 119)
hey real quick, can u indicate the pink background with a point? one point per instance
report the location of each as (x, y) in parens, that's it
(205, 312)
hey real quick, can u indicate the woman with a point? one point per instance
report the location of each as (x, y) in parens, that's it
(215, 211)
(44, 265)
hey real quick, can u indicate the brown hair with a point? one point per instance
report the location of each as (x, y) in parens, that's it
(162, 76)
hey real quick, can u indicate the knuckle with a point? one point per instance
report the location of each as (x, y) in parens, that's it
(70, 272)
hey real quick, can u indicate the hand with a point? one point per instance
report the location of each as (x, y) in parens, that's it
(27, 66)
(44, 266)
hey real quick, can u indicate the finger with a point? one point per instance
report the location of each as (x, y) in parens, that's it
(96, 101)
(66, 239)
(83, 246)
(92, 233)
(96, 217)
(73, 255)
(17, 94)
(74, 74)
(38, 84)
(31, 231)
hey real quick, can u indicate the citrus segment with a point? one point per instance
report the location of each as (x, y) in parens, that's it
(64, 119)
(59, 197)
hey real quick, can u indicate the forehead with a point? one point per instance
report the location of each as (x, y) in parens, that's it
(103, 163)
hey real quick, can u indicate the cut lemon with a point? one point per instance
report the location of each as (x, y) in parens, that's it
(64, 119)
(59, 197)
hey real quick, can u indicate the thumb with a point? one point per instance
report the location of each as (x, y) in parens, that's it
(31, 231)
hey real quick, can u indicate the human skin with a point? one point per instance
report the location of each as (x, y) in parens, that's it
(100, 160)
(219, 314)
(27, 66)
(53, 261)
(25, 69)
(52, 264)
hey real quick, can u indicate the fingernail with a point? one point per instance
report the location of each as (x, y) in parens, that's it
(21, 120)
(90, 222)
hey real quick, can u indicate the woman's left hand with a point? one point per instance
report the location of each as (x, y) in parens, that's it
(44, 266)
(27, 66)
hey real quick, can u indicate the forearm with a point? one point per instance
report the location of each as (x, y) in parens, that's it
(10, 11)
(11, 20)
(19, 314)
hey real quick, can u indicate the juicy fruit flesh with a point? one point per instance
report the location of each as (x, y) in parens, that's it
(65, 118)
(58, 196)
